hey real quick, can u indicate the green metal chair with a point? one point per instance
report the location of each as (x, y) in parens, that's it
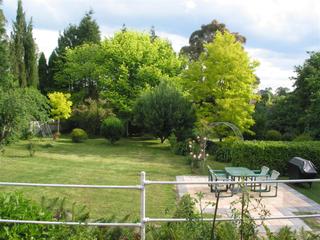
(218, 175)
(268, 186)
(259, 175)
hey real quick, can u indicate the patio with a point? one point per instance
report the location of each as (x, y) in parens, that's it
(288, 202)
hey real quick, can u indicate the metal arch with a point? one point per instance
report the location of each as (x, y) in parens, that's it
(233, 127)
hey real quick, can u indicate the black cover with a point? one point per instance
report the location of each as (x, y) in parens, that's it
(299, 168)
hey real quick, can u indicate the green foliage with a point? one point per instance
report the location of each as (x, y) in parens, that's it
(78, 135)
(4, 53)
(112, 129)
(90, 114)
(222, 83)
(43, 74)
(203, 36)
(178, 148)
(275, 155)
(23, 51)
(60, 105)
(303, 137)
(163, 111)
(17, 108)
(273, 135)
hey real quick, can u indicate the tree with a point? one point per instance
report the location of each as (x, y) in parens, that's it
(23, 51)
(43, 73)
(163, 111)
(205, 35)
(30, 57)
(119, 69)
(307, 95)
(60, 106)
(87, 32)
(19, 106)
(222, 82)
(17, 46)
(4, 53)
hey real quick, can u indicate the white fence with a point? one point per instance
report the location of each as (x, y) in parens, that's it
(142, 188)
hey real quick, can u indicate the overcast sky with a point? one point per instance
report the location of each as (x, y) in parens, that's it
(278, 32)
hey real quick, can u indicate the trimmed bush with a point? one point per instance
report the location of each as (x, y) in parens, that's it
(303, 137)
(112, 129)
(273, 135)
(178, 148)
(78, 135)
(254, 154)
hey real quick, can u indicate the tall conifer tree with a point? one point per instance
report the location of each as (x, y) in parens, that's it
(4, 59)
(43, 73)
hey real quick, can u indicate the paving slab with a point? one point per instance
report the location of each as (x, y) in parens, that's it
(287, 203)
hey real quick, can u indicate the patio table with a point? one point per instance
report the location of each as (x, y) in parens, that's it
(238, 172)
(234, 172)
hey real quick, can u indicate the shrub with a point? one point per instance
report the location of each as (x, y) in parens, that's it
(303, 137)
(112, 129)
(254, 154)
(90, 114)
(178, 148)
(273, 135)
(78, 135)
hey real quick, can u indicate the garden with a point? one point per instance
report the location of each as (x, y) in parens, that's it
(100, 111)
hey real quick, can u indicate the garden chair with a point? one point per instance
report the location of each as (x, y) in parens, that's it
(259, 175)
(268, 186)
(218, 175)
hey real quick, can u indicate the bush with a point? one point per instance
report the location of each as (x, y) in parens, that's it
(254, 154)
(303, 137)
(273, 135)
(178, 148)
(90, 114)
(78, 135)
(112, 129)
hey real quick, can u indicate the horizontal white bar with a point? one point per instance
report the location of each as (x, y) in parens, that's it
(71, 223)
(231, 182)
(16, 184)
(230, 219)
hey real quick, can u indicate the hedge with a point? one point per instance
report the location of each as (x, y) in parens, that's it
(275, 155)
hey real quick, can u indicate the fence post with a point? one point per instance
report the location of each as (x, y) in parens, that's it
(143, 206)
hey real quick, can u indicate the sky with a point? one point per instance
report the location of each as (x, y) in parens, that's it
(279, 33)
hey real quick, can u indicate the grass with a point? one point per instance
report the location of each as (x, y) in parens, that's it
(97, 162)
(312, 193)
(313, 223)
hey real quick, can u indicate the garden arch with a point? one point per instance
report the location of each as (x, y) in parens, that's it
(233, 127)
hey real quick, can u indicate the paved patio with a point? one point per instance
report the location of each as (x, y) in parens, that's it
(288, 202)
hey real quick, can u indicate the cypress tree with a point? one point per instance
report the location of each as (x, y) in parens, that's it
(43, 74)
(4, 59)
(30, 57)
(23, 51)
(17, 47)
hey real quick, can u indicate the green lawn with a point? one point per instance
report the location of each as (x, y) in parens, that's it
(97, 162)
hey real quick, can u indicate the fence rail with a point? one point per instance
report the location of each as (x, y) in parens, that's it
(142, 188)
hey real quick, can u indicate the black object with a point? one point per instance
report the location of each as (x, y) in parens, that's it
(299, 168)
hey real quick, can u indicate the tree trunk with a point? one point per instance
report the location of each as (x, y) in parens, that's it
(58, 125)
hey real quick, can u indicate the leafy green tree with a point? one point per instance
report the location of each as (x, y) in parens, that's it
(307, 95)
(43, 73)
(222, 82)
(23, 51)
(163, 111)
(205, 35)
(87, 32)
(119, 69)
(4, 52)
(60, 106)
(19, 106)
